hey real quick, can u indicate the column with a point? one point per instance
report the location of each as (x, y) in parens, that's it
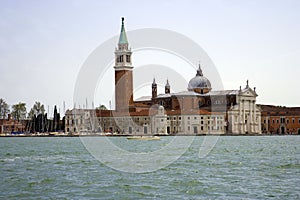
(243, 124)
(254, 117)
(254, 111)
(251, 116)
(239, 124)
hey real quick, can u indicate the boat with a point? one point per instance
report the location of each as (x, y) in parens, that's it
(143, 138)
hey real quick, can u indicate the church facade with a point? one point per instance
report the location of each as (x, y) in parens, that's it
(198, 110)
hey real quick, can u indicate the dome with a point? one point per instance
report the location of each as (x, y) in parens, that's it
(199, 83)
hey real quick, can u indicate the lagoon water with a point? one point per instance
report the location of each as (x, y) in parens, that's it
(263, 167)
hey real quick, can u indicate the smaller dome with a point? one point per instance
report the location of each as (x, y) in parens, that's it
(160, 107)
(199, 83)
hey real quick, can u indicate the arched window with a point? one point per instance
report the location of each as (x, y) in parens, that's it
(200, 103)
(127, 58)
(161, 102)
(120, 59)
(208, 102)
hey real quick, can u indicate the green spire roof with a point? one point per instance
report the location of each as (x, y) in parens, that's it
(123, 37)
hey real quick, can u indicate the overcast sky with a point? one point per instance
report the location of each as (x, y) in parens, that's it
(43, 44)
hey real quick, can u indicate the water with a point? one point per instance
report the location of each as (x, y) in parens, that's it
(237, 168)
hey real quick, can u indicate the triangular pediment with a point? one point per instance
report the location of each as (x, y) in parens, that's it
(248, 92)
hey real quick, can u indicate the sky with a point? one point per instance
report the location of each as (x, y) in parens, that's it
(43, 44)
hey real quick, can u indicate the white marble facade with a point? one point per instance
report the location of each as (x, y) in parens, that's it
(245, 116)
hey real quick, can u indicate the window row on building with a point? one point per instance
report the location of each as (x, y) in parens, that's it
(80, 121)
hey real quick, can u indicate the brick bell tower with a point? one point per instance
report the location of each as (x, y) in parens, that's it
(123, 74)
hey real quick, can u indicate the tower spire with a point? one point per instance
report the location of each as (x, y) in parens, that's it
(154, 89)
(167, 87)
(154, 81)
(167, 84)
(123, 37)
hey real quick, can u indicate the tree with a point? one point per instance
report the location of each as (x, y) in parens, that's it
(4, 109)
(19, 111)
(37, 109)
(56, 118)
(101, 107)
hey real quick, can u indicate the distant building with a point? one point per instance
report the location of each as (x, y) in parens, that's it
(198, 110)
(280, 119)
(9, 125)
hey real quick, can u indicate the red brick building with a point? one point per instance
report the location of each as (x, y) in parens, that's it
(280, 119)
(9, 125)
(197, 110)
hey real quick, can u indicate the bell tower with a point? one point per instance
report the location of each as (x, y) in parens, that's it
(123, 73)
(167, 87)
(154, 89)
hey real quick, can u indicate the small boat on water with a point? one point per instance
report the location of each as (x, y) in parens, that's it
(143, 138)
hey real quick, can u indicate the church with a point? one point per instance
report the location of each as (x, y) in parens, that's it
(198, 110)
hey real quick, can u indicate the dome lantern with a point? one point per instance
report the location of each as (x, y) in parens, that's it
(199, 83)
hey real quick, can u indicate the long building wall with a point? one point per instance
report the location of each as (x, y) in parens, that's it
(83, 121)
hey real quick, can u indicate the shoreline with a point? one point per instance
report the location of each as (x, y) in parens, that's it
(126, 135)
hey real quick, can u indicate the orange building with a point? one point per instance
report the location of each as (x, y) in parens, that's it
(9, 125)
(280, 119)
